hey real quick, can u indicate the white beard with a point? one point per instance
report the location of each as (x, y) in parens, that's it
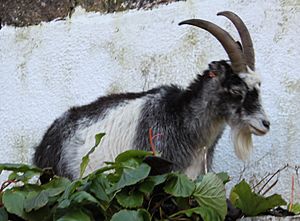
(242, 140)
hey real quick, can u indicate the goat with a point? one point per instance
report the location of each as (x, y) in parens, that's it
(190, 121)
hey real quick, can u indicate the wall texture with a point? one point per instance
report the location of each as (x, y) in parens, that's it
(47, 68)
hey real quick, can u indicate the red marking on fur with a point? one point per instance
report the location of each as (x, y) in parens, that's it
(151, 141)
(151, 138)
(212, 74)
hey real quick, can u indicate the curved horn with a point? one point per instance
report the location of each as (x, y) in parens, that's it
(244, 35)
(233, 50)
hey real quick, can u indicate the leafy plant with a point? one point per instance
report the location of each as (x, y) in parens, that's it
(127, 189)
(252, 203)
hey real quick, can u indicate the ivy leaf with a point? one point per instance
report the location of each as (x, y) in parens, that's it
(210, 193)
(179, 185)
(130, 199)
(251, 203)
(131, 176)
(86, 159)
(207, 213)
(75, 215)
(132, 215)
(3, 214)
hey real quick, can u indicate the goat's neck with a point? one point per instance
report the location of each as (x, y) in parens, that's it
(203, 119)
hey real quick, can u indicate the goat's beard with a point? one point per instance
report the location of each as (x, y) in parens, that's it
(242, 141)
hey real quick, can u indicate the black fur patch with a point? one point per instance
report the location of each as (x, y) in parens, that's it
(251, 103)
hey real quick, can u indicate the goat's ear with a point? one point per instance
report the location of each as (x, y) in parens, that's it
(217, 69)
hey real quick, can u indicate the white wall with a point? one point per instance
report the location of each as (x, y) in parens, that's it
(47, 68)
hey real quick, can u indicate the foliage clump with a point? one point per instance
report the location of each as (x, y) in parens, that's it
(131, 188)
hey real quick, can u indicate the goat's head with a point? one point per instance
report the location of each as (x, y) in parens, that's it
(238, 84)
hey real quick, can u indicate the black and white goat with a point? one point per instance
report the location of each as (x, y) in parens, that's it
(189, 120)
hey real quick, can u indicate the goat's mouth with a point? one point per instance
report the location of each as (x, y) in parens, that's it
(257, 131)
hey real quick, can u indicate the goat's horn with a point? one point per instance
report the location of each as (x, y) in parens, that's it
(231, 47)
(244, 35)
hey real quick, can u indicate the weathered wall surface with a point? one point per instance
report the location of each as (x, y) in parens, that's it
(47, 68)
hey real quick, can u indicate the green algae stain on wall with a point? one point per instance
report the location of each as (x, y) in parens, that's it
(114, 88)
(21, 145)
(25, 43)
(288, 10)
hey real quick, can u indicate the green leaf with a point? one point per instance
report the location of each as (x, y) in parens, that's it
(129, 154)
(251, 203)
(130, 199)
(14, 202)
(99, 186)
(83, 197)
(56, 186)
(210, 193)
(35, 201)
(150, 182)
(19, 167)
(3, 214)
(132, 215)
(64, 200)
(207, 214)
(131, 176)
(179, 185)
(295, 208)
(24, 176)
(224, 177)
(85, 160)
(75, 215)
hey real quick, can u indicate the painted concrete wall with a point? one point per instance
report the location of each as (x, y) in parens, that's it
(46, 69)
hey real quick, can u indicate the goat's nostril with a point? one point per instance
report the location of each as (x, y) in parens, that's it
(266, 123)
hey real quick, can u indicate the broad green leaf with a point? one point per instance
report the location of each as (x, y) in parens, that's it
(35, 201)
(251, 203)
(3, 214)
(64, 200)
(210, 193)
(64, 203)
(83, 197)
(179, 185)
(56, 186)
(130, 199)
(14, 202)
(86, 159)
(150, 182)
(132, 215)
(75, 215)
(131, 176)
(99, 186)
(19, 167)
(129, 154)
(207, 214)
